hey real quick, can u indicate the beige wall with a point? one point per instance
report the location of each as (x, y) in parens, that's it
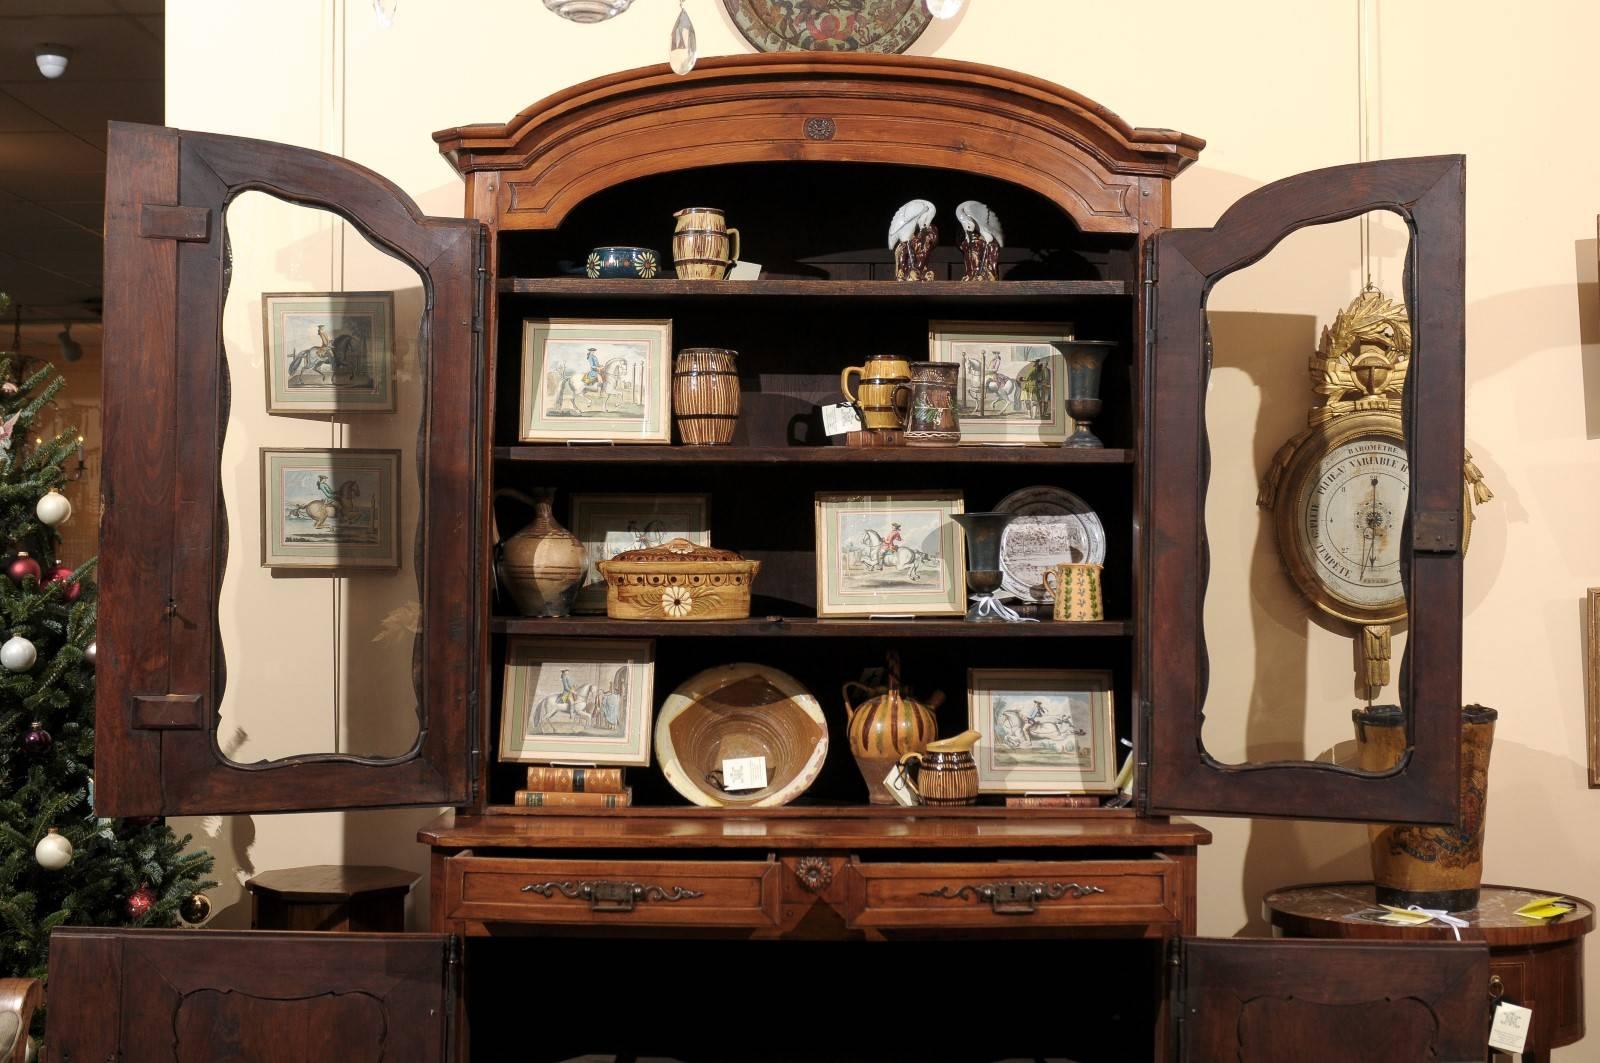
(1272, 87)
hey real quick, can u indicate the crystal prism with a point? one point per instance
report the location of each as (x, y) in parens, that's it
(682, 50)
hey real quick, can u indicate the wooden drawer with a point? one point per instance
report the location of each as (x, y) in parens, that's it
(612, 892)
(1015, 893)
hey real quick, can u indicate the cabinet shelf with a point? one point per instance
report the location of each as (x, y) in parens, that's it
(807, 455)
(805, 627)
(930, 291)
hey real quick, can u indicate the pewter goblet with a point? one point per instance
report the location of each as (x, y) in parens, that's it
(1085, 359)
(984, 533)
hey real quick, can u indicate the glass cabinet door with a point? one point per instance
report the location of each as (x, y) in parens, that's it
(290, 532)
(1365, 503)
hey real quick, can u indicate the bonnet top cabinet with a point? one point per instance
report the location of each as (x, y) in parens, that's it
(809, 154)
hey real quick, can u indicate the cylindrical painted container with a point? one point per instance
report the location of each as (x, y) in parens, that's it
(704, 248)
(705, 395)
(932, 420)
(880, 379)
(1431, 867)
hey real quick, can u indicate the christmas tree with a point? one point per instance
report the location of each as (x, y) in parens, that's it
(59, 862)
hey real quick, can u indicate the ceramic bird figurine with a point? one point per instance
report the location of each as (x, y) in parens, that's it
(981, 241)
(912, 238)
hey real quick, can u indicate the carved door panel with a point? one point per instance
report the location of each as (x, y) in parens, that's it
(252, 582)
(1267, 1001)
(1180, 774)
(182, 996)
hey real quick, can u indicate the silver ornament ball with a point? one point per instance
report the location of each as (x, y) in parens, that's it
(89, 654)
(18, 654)
(53, 852)
(53, 508)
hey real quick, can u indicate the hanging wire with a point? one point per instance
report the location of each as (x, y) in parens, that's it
(1364, 48)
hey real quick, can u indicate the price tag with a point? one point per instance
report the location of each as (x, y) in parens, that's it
(839, 418)
(744, 773)
(1509, 1030)
(899, 788)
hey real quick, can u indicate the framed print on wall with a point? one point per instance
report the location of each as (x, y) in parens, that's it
(1045, 730)
(330, 509)
(607, 525)
(583, 701)
(601, 381)
(896, 553)
(329, 352)
(1013, 384)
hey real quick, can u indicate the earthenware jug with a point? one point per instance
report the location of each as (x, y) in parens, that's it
(542, 565)
(705, 395)
(1076, 590)
(885, 726)
(1431, 867)
(879, 394)
(932, 420)
(946, 772)
(704, 248)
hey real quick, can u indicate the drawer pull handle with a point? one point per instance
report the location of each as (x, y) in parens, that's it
(606, 896)
(1014, 898)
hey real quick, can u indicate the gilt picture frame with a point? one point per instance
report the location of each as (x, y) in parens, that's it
(577, 701)
(1012, 388)
(608, 524)
(334, 509)
(890, 554)
(601, 381)
(329, 352)
(1045, 730)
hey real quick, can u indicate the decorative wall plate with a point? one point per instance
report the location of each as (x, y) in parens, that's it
(740, 711)
(829, 25)
(1053, 527)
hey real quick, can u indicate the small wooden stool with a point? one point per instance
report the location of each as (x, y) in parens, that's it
(330, 897)
(1536, 964)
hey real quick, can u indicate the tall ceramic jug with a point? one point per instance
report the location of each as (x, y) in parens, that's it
(885, 727)
(542, 565)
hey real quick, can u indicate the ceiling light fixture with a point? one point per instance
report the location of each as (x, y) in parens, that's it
(51, 59)
(587, 11)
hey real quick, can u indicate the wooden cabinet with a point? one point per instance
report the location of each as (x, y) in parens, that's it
(809, 155)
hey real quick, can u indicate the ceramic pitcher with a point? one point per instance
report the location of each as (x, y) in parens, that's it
(878, 393)
(946, 772)
(1076, 589)
(704, 248)
(886, 726)
(931, 418)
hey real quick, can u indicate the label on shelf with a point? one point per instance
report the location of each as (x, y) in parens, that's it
(839, 418)
(744, 773)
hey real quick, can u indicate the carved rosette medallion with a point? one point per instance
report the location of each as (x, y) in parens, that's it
(814, 872)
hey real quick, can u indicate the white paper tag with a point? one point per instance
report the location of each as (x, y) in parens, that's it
(745, 271)
(744, 773)
(1509, 1031)
(839, 418)
(899, 788)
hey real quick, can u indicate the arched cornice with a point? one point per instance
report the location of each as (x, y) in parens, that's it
(830, 107)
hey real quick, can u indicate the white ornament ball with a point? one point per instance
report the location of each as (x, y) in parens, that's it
(89, 654)
(18, 654)
(53, 852)
(53, 508)
(33, 1051)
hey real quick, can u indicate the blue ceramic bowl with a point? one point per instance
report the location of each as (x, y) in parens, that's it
(631, 262)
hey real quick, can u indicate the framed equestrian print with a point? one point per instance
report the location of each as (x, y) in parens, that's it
(1012, 388)
(329, 352)
(578, 701)
(1045, 730)
(330, 509)
(596, 381)
(891, 554)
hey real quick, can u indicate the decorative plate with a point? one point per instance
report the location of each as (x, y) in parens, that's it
(736, 711)
(829, 25)
(1053, 527)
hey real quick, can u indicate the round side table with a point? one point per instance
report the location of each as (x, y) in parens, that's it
(1539, 964)
(340, 897)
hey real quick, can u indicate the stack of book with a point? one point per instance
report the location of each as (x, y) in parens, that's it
(550, 786)
(1054, 801)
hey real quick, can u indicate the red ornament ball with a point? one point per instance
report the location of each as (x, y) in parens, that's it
(37, 741)
(140, 902)
(23, 567)
(62, 573)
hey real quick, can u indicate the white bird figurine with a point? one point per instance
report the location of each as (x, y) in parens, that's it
(912, 238)
(981, 241)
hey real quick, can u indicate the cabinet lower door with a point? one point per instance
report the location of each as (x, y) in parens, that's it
(290, 552)
(1258, 1001)
(185, 996)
